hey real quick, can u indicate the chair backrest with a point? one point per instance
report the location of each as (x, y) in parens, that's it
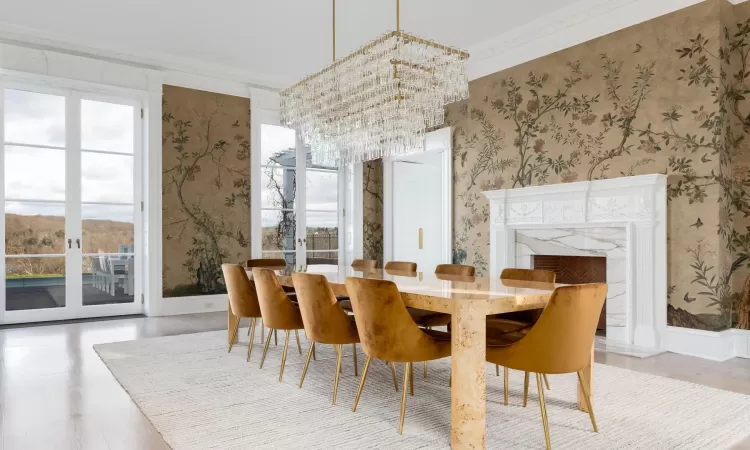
(365, 264)
(542, 276)
(243, 300)
(402, 266)
(277, 310)
(265, 263)
(95, 265)
(562, 338)
(324, 320)
(386, 330)
(455, 269)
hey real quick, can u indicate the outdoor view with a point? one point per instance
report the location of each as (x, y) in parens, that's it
(38, 178)
(279, 190)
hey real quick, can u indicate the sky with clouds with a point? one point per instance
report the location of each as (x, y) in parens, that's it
(322, 187)
(36, 173)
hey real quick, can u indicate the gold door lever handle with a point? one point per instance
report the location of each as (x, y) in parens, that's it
(420, 239)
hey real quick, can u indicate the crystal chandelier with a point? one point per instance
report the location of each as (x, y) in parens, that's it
(378, 101)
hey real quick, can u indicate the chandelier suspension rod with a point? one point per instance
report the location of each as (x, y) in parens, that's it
(398, 15)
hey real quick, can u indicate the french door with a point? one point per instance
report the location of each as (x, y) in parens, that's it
(72, 215)
(302, 204)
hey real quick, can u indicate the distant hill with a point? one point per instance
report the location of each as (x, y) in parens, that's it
(34, 235)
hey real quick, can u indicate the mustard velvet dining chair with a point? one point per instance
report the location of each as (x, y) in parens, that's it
(279, 313)
(559, 342)
(276, 263)
(325, 322)
(387, 332)
(364, 264)
(243, 301)
(520, 321)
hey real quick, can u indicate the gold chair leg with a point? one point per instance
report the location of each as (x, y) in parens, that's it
(251, 333)
(354, 355)
(314, 356)
(543, 407)
(505, 384)
(283, 354)
(393, 372)
(425, 369)
(525, 387)
(235, 329)
(265, 347)
(361, 383)
(307, 363)
(546, 382)
(275, 337)
(411, 379)
(339, 355)
(588, 400)
(299, 347)
(262, 331)
(407, 371)
(497, 370)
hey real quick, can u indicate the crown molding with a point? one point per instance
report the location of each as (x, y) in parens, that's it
(579, 22)
(155, 61)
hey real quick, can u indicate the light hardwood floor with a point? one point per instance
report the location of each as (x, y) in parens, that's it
(56, 392)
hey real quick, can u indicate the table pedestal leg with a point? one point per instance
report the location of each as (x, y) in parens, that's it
(468, 386)
(588, 375)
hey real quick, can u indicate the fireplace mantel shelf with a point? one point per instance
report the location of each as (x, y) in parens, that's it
(623, 219)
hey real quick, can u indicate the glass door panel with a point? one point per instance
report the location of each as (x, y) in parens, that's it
(34, 186)
(321, 215)
(107, 206)
(278, 193)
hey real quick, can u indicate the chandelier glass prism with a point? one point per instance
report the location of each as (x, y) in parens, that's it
(377, 101)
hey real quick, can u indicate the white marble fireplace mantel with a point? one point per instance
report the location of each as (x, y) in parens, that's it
(622, 219)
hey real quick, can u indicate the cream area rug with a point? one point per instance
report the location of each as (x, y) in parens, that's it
(198, 396)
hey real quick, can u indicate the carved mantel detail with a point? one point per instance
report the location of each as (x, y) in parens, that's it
(633, 208)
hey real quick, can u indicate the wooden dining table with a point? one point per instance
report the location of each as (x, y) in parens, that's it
(469, 300)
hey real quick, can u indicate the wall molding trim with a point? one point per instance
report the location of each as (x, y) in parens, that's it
(34, 39)
(173, 306)
(579, 22)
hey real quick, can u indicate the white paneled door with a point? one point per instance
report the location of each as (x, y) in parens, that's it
(72, 209)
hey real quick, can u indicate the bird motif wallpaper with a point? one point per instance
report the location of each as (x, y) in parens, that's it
(205, 188)
(664, 96)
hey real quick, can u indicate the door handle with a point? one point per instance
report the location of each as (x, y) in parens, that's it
(420, 239)
(70, 243)
(78, 242)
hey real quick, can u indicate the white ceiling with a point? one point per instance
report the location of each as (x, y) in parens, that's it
(274, 39)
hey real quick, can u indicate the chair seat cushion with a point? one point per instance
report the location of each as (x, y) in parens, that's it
(425, 318)
(504, 339)
(346, 304)
(438, 335)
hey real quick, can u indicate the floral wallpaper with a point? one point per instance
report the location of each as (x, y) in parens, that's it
(372, 211)
(205, 188)
(664, 96)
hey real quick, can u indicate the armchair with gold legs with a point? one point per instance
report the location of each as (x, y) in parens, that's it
(559, 342)
(387, 332)
(520, 321)
(279, 313)
(325, 322)
(243, 302)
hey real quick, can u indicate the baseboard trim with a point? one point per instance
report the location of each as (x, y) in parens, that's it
(173, 306)
(741, 342)
(713, 345)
